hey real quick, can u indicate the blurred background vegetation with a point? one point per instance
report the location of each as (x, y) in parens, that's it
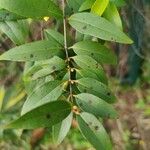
(130, 81)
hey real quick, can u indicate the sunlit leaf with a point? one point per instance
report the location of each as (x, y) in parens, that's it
(111, 13)
(99, 6)
(14, 100)
(2, 94)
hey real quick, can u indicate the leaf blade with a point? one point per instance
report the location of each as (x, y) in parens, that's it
(99, 6)
(94, 105)
(92, 86)
(60, 130)
(32, 8)
(50, 91)
(43, 116)
(97, 51)
(93, 131)
(94, 25)
(34, 51)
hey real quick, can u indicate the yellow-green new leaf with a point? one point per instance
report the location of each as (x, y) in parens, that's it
(111, 13)
(34, 51)
(32, 8)
(2, 95)
(96, 26)
(44, 116)
(99, 6)
(94, 131)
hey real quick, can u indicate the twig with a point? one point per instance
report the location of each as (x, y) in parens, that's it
(66, 49)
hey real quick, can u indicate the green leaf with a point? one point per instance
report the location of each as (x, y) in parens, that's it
(38, 65)
(97, 51)
(95, 105)
(87, 4)
(7, 30)
(74, 4)
(32, 8)
(78, 36)
(94, 25)
(2, 95)
(87, 73)
(44, 116)
(31, 85)
(60, 130)
(118, 3)
(8, 16)
(92, 86)
(88, 63)
(54, 36)
(17, 31)
(99, 6)
(34, 51)
(111, 13)
(55, 64)
(50, 91)
(94, 131)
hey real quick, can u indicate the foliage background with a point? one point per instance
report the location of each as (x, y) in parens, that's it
(131, 131)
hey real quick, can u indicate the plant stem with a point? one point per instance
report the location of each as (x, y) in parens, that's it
(66, 50)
